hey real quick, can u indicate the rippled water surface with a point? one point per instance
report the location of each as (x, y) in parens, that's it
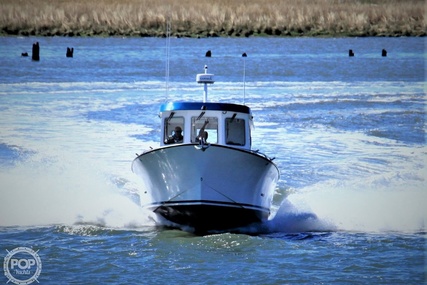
(348, 135)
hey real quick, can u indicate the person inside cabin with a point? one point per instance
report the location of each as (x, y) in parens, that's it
(203, 135)
(176, 136)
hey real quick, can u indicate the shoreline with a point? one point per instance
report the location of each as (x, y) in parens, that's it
(222, 18)
(202, 34)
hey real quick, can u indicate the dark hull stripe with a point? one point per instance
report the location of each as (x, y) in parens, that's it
(205, 218)
(198, 202)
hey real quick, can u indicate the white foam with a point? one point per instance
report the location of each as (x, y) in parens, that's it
(77, 171)
(363, 205)
(65, 191)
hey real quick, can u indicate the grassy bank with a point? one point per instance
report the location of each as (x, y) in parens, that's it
(202, 18)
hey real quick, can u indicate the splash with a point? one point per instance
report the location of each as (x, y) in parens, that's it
(69, 191)
(293, 219)
(350, 206)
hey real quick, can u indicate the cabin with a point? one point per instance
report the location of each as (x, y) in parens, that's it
(206, 122)
(226, 124)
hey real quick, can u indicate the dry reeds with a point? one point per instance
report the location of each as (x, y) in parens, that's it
(214, 18)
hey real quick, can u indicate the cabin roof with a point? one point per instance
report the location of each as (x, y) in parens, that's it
(176, 106)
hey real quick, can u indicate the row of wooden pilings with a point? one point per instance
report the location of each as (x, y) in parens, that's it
(70, 52)
(350, 53)
(383, 53)
(36, 52)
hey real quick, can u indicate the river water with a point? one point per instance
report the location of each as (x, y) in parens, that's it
(348, 135)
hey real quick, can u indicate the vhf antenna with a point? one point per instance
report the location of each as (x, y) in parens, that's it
(244, 55)
(168, 39)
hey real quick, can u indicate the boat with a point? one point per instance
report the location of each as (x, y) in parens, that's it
(204, 176)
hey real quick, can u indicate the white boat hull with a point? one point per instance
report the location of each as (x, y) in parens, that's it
(217, 188)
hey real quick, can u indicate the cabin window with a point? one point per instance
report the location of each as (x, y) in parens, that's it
(235, 131)
(174, 130)
(210, 125)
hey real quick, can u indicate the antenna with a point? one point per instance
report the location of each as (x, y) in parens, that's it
(168, 41)
(244, 55)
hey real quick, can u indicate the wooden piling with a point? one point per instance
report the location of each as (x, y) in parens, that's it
(36, 51)
(383, 52)
(70, 52)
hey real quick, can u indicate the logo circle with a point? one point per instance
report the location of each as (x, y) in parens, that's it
(22, 265)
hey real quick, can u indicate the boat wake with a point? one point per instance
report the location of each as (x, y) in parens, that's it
(41, 192)
(62, 193)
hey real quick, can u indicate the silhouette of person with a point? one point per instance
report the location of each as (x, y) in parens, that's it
(176, 136)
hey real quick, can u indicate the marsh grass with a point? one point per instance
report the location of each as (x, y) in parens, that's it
(202, 18)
